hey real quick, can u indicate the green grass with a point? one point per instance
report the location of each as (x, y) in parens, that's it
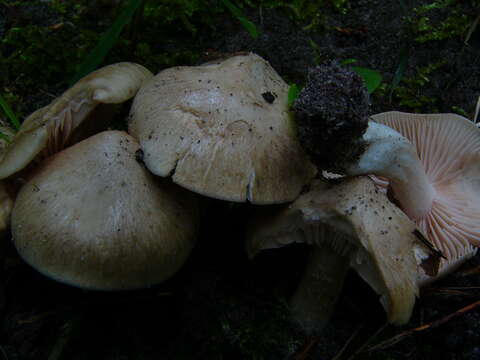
(9, 113)
(293, 92)
(247, 24)
(107, 41)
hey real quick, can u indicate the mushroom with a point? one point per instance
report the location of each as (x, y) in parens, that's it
(222, 130)
(7, 193)
(93, 217)
(48, 130)
(448, 146)
(348, 224)
(430, 161)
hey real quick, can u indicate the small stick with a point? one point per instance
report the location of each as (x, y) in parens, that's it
(397, 338)
(306, 348)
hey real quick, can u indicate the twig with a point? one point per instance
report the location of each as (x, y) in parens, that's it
(369, 340)
(63, 339)
(452, 290)
(477, 110)
(474, 270)
(471, 29)
(4, 353)
(359, 349)
(397, 338)
(306, 348)
(349, 341)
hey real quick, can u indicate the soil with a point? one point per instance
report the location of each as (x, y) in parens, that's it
(222, 305)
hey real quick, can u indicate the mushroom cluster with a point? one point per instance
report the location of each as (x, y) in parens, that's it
(90, 214)
(94, 215)
(118, 210)
(427, 165)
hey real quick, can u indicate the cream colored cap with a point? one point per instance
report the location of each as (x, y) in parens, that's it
(93, 217)
(222, 130)
(7, 195)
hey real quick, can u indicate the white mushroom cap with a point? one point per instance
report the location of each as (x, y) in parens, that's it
(374, 234)
(93, 217)
(448, 146)
(223, 129)
(48, 129)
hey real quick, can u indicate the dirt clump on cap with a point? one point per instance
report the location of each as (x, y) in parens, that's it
(331, 113)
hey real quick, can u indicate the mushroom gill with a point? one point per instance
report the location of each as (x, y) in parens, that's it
(48, 130)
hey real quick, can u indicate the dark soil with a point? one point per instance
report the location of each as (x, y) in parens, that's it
(222, 305)
(332, 113)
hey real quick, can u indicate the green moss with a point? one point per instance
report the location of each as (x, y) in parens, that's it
(35, 57)
(410, 92)
(167, 34)
(309, 13)
(268, 335)
(454, 26)
(439, 20)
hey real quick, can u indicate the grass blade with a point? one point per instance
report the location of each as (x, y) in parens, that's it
(247, 24)
(371, 78)
(293, 92)
(10, 114)
(402, 66)
(107, 41)
(5, 137)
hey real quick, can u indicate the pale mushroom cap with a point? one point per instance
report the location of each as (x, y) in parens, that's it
(377, 236)
(223, 129)
(6, 194)
(48, 129)
(93, 217)
(448, 146)
(6, 206)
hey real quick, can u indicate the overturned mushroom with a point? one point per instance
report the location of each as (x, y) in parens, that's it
(93, 217)
(448, 147)
(430, 161)
(350, 224)
(49, 129)
(223, 130)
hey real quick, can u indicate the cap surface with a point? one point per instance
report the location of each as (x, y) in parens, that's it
(7, 194)
(48, 129)
(448, 146)
(223, 129)
(93, 217)
(377, 236)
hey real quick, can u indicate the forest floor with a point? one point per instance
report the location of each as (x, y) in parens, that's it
(221, 305)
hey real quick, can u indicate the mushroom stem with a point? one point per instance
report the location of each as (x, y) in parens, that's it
(314, 300)
(391, 155)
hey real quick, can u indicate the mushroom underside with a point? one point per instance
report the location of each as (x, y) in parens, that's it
(49, 129)
(448, 146)
(357, 222)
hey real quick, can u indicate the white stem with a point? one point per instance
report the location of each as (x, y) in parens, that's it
(390, 155)
(314, 300)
